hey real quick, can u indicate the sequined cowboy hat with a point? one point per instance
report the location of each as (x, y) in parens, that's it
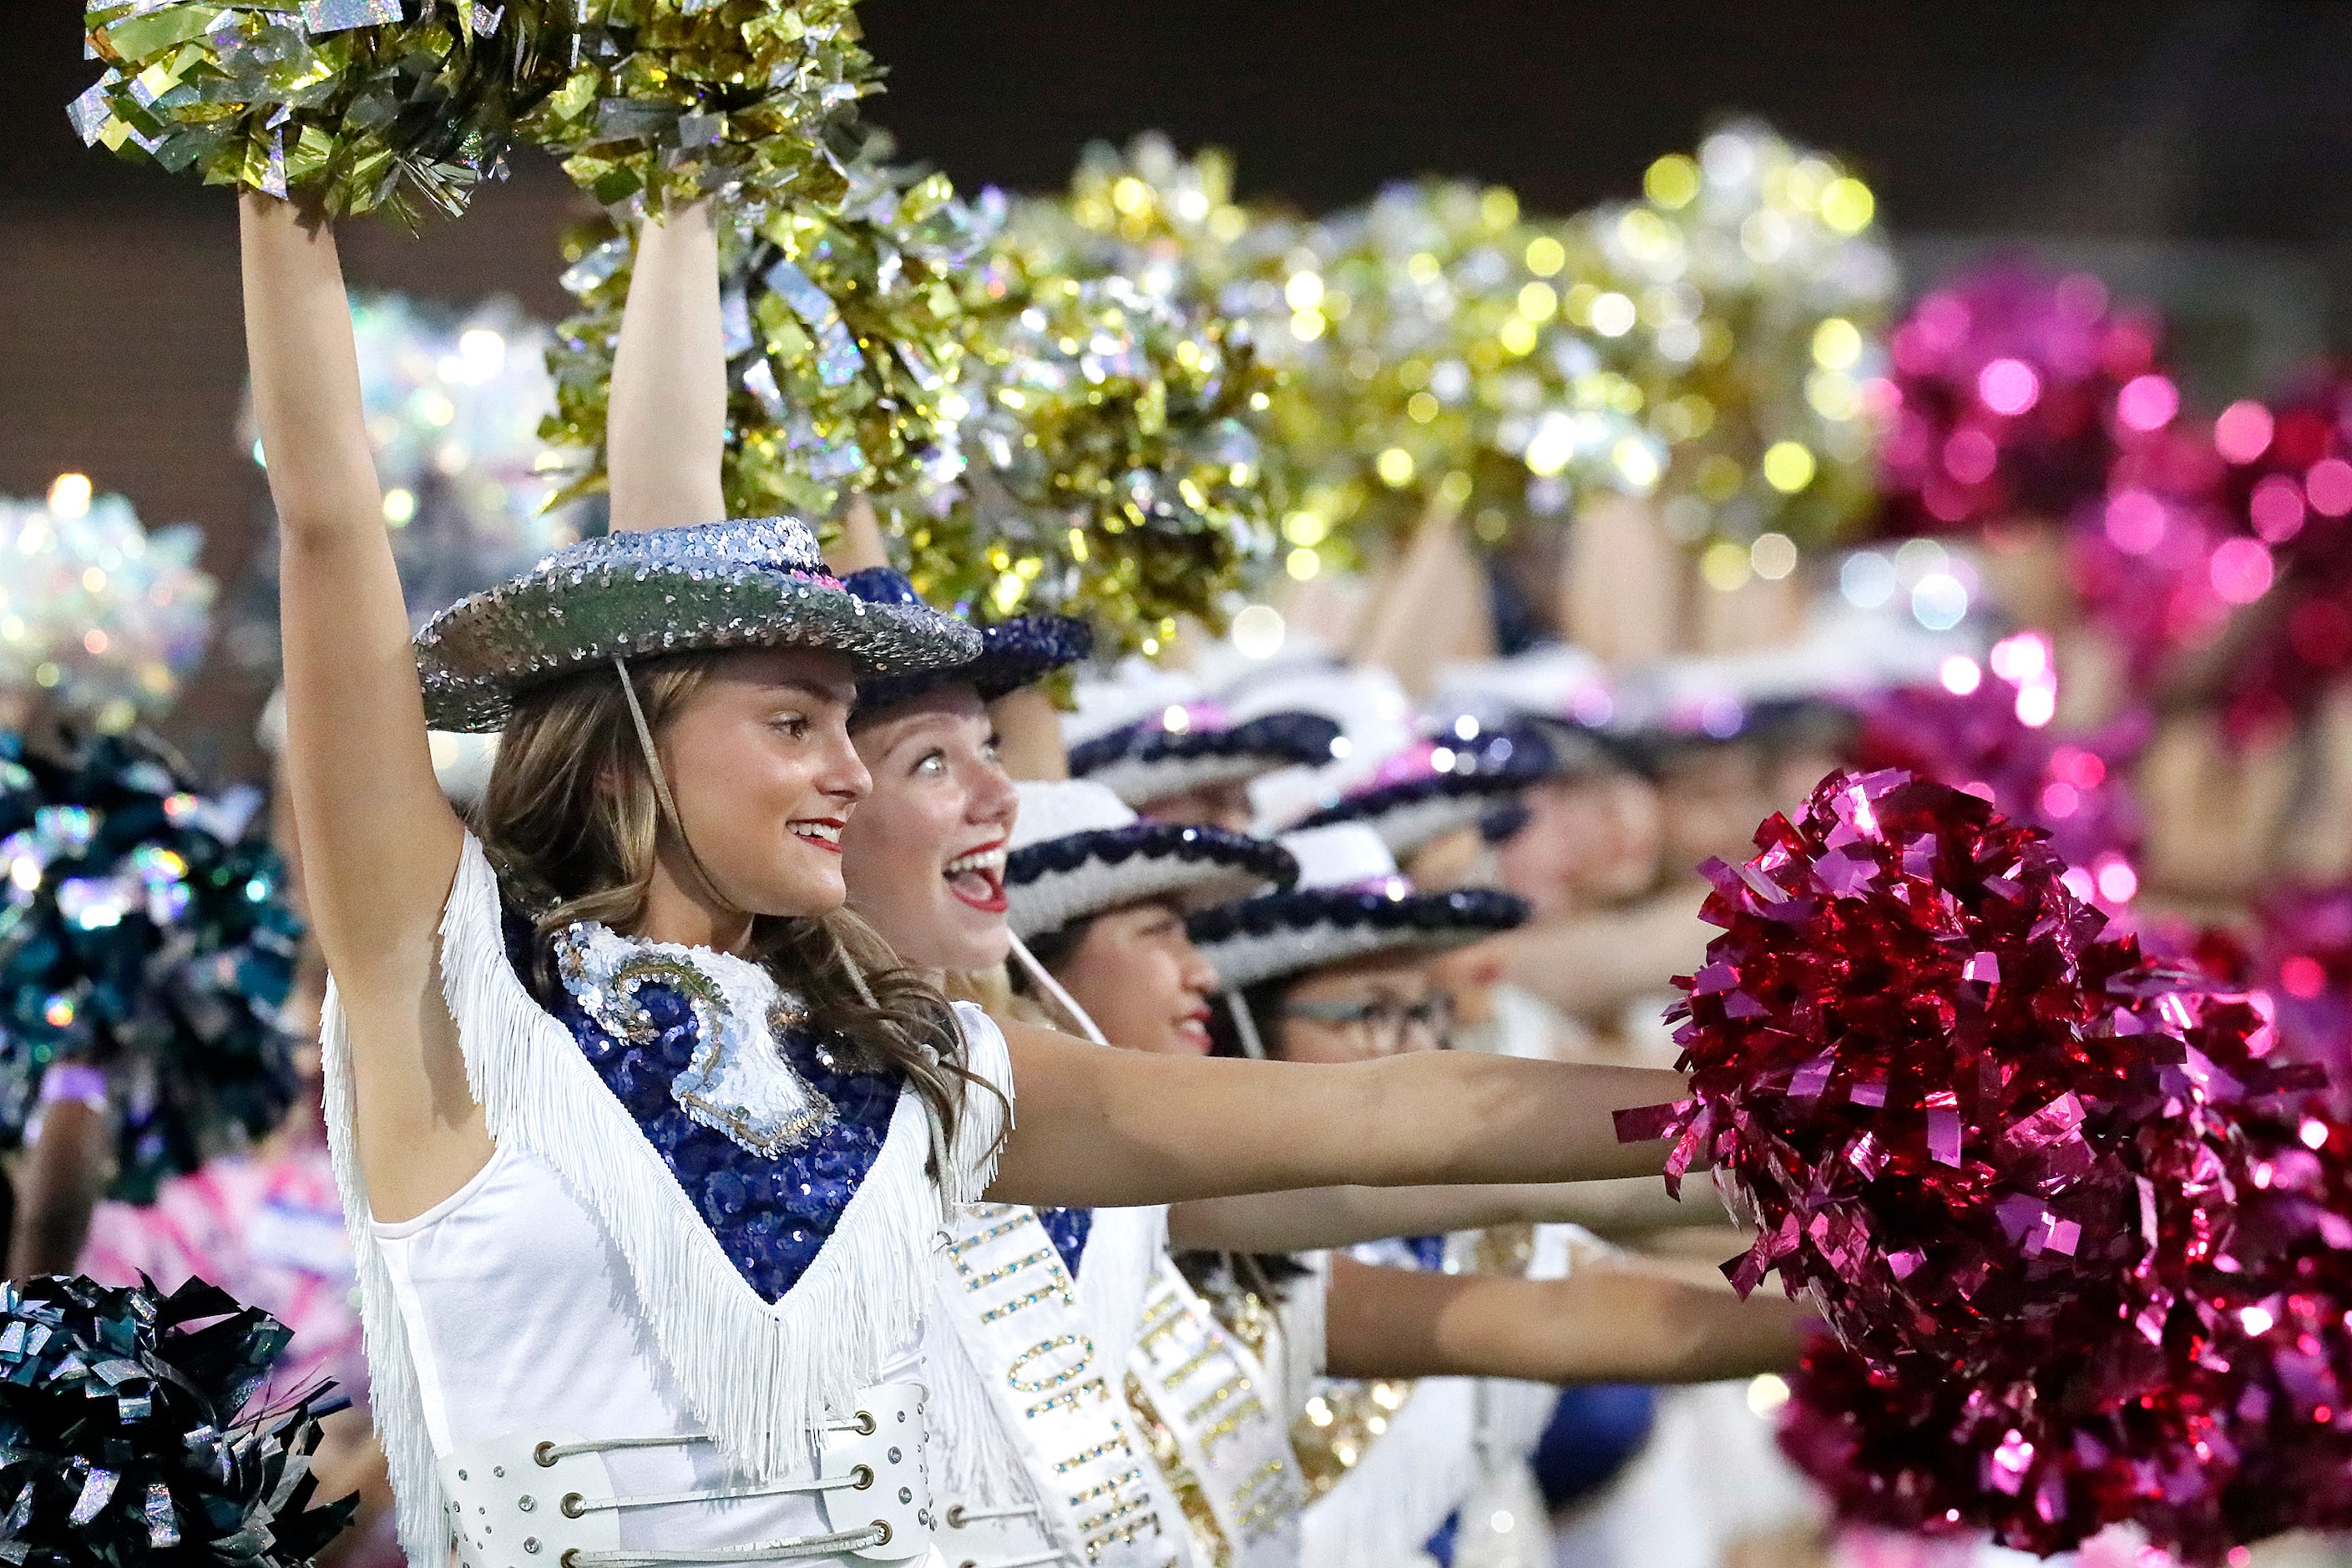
(1466, 776)
(756, 583)
(1349, 902)
(1077, 850)
(1147, 734)
(1194, 745)
(1013, 653)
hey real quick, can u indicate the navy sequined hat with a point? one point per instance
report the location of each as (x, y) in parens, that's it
(756, 583)
(1351, 903)
(1012, 654)
(1438, 784)
(1153, 758)
(1077, 851)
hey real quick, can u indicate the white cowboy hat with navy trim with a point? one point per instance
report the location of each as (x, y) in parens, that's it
(1349, 902)
(1077, 851)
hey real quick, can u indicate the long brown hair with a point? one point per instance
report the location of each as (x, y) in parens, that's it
(572, 820)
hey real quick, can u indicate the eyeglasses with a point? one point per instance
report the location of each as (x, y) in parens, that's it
(1388, 1026)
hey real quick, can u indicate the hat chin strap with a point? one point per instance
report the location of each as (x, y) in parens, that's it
(1245, 1026)
(1052, 987)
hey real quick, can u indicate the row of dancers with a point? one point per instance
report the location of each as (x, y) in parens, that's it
(717, 1192)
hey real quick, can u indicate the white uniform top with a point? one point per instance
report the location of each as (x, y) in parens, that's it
(572, 1284)
(521, 1314)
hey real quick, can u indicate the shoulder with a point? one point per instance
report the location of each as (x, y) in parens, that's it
(985, 1053)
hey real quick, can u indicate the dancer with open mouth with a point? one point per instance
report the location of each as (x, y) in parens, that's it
(1061, 1297)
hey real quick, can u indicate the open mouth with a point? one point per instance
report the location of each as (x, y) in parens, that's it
(978, 879)
(823, 833)
(1194, 1029)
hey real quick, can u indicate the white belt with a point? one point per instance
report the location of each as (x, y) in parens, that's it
(543, 1499)
(987, 1538)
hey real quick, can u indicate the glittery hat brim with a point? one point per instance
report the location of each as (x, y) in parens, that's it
(1252, 940)
(477, 656)
(1412, 815)
(1141, 765)
(1055, 884)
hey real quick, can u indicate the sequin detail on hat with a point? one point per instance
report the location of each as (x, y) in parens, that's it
(737, 1082)
(1013, 653)
(756, 583)
(772, 1216)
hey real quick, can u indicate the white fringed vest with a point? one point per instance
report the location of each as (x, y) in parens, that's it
(760, 1379)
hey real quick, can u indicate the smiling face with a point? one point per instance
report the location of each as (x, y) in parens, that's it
(1141, 978)
(925, 854)
(760, 763)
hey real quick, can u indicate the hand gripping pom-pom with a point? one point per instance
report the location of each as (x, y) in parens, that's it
(844, 331)
(133, 1436)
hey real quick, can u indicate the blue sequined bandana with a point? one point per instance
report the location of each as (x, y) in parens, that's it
(768, 1135)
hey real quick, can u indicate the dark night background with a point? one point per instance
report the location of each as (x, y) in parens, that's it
(2197, 154)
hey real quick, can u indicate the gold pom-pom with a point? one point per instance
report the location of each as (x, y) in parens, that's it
(843, 328)
(1446, 377)
(673, 100)
(342, 101)
(1745, 296)
(1114, 466)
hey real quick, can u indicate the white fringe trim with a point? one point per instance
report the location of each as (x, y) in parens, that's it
(761, 1377)
(976, 1457)
(393, 1394)
(1122, 1258)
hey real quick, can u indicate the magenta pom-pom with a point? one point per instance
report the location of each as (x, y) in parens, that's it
(2084, 1244)
(2015, 391)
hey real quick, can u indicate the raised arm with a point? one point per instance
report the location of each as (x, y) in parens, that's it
(379, 843)
(1319, 1217)
(666, 429)
(1609, 1321)
(1126, 1127)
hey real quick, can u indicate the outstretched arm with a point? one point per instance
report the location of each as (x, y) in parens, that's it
(1322, 1218)
(1609, 1322)
(666, 429)
(379, 843)
(1125, 1127)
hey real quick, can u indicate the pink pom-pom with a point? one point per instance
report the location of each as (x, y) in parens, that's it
(2085, 1258)
(2016, 391)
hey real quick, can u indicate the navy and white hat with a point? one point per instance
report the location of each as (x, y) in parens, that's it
(1196, 745)
(1013, 653)
(758, 583)
(1442, 783)
(1350, 902)
(1562, 693)
(1077, 850)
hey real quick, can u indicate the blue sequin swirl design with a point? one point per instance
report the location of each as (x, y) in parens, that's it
(1069, 1229)
(772, 1216)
